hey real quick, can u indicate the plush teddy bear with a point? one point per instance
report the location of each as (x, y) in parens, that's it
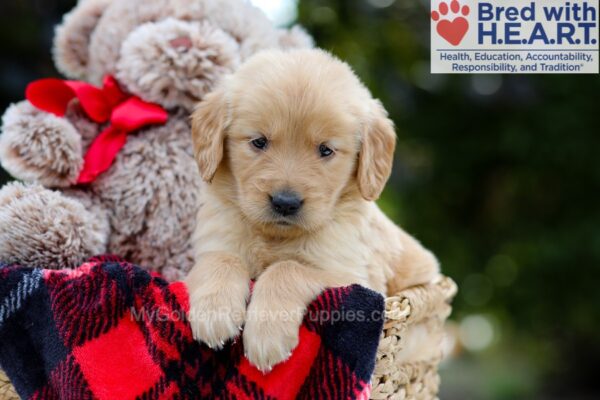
(144, 57)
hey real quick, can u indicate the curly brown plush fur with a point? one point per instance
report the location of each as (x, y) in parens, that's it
(169, 52)
(47, 228)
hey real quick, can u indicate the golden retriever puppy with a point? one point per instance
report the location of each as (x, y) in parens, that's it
(294, 151)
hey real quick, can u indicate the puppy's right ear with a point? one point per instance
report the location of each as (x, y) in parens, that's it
(209, 123)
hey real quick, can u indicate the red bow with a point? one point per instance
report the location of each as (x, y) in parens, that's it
(125, 113)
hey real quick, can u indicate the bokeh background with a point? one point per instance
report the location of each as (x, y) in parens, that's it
(499, 175)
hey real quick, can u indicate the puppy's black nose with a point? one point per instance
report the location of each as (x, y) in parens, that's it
(286, 203)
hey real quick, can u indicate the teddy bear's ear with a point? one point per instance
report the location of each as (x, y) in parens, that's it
(295, 38)
(72, 37)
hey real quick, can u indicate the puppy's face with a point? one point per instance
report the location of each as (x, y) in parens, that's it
(299, 133)
(291, 157)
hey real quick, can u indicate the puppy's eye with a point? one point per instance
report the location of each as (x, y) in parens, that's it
(325, 151)
(260, 143)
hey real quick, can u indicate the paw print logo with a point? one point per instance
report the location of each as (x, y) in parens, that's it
(453, 30)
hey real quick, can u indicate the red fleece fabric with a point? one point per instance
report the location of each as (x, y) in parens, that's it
(110, 330)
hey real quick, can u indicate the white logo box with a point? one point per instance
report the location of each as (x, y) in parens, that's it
(512, 36)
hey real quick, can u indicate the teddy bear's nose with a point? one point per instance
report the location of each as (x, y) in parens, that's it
(182, 42)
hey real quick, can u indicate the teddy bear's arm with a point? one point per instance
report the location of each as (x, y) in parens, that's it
(50, 229)
(36, 146)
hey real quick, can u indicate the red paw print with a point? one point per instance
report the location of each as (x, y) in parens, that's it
(452, 30)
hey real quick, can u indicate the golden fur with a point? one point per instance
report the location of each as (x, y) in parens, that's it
(297, 100)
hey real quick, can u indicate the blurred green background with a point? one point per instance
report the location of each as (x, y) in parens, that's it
(499, 175)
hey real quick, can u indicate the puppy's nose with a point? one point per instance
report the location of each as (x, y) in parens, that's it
(286, 203)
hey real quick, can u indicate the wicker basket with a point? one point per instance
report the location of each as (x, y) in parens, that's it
(7, 392)
(416, 315)
(398, 376)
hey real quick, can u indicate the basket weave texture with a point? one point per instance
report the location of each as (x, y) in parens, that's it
(7, 392)
(424, 306)
(422, 309)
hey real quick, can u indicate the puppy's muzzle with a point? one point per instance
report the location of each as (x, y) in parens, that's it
(286, 203)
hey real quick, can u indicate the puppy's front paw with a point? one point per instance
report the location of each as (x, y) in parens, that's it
(216, 318)
(270, 334)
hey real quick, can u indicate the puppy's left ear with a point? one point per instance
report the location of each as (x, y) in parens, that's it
(378, 141)
(209, 123)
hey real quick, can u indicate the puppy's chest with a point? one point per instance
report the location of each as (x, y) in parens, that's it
(259, 254)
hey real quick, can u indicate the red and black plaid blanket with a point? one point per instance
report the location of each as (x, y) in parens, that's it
(110, 330)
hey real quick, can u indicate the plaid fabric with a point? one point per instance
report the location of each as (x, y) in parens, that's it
(110, 330)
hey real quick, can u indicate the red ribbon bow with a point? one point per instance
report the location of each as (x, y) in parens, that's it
(124, 112)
